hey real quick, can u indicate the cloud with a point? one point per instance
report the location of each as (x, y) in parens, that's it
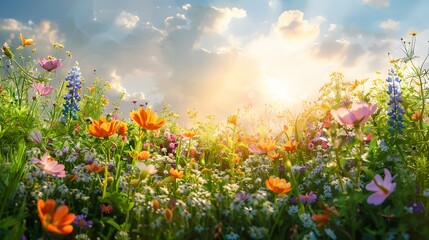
(377, 3)
(10, 24)
(292, 26)
(342, 51)
(175, 22)
(213, 19)
(390, 24)
(45, 33)
(127, 20)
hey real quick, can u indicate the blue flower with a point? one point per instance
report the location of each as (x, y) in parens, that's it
(74, 79)
(395, 110)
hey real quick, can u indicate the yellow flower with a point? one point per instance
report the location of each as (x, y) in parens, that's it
(278, 185)
(26, 41)
(91, 89)
(412, 33)
(55, 219)
(104, 101)
(103, 128)
(146, 119)
(232, 119)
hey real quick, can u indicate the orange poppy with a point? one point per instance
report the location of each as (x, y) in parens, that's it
(103, 128)
(26, 41)
(143, 155)
(175, 173)
(146, 119)
(122, 129)
(55, 219)
(325, 218)
(290, 145)
(278, 185)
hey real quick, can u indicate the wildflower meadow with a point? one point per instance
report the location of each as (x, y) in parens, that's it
(352, 164)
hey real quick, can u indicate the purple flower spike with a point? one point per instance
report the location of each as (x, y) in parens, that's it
(50, 65)
(381, 188)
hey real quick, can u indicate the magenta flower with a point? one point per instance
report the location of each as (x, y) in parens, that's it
(50, 64)
(381, 188)
(42, 90)
(49, 165)
(357, 114)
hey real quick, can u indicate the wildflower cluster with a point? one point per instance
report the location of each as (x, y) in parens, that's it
(327, 173)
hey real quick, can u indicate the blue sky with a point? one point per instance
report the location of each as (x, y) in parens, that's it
(218, 56)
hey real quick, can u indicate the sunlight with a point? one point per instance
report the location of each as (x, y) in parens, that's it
(278, 90)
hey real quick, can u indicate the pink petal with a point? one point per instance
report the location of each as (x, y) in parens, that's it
(372, 187)
(377, 198)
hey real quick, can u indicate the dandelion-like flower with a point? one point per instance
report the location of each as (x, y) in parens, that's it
(55, 219)
(395, 112)
(74, 79)
(382, 188)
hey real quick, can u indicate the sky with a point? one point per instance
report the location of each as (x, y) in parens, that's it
(222, 55)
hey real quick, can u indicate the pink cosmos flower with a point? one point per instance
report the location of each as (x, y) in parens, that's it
(49, 165)
(50, 65)
(42, 90)
(381, 188)
(357, 114)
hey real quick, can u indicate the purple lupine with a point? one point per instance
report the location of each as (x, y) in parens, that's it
(395, 112)
(74, 79)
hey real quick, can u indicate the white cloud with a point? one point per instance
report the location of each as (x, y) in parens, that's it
(175, 22)
(10, 24)
(390, 24)
(186, 7)
(332, 27)
(127, 20)
(377, 3)
(292, 26)
(225, 15)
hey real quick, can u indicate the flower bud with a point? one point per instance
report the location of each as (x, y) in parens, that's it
(168, 214)
(6, 51)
